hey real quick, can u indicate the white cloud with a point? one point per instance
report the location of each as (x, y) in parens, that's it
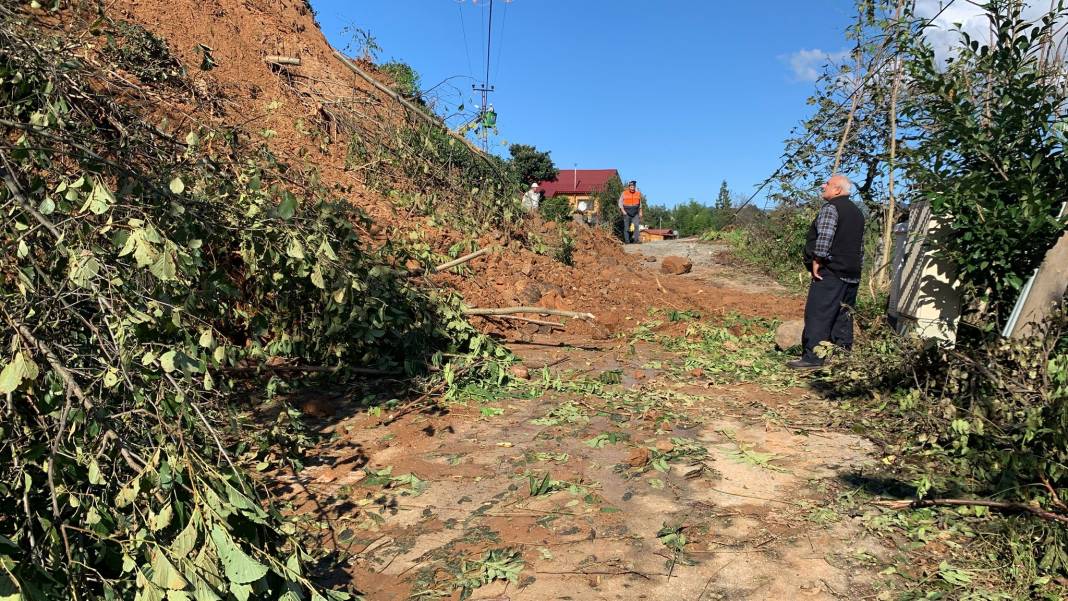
(808, 64)
(942, 33)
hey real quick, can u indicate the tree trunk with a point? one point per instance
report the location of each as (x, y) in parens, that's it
(852, 109)
(883, 272)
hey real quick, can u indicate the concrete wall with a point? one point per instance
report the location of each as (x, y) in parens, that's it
(924, 292)
(1046, 291)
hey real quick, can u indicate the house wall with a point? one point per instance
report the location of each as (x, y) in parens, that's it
(592, 203)
(647, 236)
(925, 299)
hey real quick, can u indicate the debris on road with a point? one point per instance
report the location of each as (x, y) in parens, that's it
(676, 265)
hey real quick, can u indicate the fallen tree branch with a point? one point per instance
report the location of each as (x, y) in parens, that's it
(411, 107)
(410, 406)
(13, 188)
(254, 369)
(275, 59)
(551, 324)
(1054, 496)
(657, 278)
(1000, 505)
(454, 262)
(623, 572)
(580, 347)
(548, 364)
(538, 310)
(462, 260)
(53, 360)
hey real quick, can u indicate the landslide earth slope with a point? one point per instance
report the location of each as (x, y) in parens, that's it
(315, 112)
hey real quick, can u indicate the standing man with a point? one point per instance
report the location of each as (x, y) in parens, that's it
(531, 199)
(630, 205)
(834, 253)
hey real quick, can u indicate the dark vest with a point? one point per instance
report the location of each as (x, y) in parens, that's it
(846, 256)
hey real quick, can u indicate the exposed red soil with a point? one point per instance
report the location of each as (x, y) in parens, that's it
(244, 90)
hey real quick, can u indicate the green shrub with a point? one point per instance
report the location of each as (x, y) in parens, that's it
(405, 79)
(990, 161)
(556, 209)
(776, 245)
(565, 252)
(470, 191)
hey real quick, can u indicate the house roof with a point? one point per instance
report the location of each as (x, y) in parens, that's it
(578, 181)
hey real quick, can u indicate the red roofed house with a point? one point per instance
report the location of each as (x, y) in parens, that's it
(653, 234)
(580, 187)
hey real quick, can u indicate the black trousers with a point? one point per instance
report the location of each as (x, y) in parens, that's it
(828, 314)
(631, 217)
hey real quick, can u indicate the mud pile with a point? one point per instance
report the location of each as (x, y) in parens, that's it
(295, 110)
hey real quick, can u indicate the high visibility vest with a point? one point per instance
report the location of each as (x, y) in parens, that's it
(632, 199)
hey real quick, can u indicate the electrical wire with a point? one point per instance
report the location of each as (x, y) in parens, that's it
(489, 43)
(482, 21)
(872, 72)
(501, 38)
(463, 29)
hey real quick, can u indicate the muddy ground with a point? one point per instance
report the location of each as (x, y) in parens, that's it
(617, 471)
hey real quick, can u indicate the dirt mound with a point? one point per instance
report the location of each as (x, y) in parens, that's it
(299, 112)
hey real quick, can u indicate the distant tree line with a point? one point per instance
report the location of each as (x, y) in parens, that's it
(692, 218)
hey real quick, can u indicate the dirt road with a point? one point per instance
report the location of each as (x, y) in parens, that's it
(678, 460)
(712, 263)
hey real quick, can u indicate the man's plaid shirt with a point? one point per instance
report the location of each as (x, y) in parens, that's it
(826, 225)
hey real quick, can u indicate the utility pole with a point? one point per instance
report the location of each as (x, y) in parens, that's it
(485, 88)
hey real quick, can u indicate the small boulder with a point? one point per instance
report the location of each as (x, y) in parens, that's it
(639, 457)
(520, 372)
(676, 265)
(527, 292)
(788, 335)
(553, 300)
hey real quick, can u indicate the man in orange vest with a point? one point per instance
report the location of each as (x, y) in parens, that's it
(630, 205)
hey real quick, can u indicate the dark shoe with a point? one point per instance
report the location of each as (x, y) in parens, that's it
(805, 364)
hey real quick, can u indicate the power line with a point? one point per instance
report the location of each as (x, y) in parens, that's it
(463, 28)
(482, 20)
(500, 44)
(487, 118)
(813, 131)
(489, 43)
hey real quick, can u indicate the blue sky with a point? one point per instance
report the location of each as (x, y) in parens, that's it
(679, 95)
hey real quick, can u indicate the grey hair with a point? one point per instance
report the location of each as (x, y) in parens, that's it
(847, 186)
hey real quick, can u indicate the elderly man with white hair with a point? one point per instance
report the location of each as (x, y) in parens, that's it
(834, 254)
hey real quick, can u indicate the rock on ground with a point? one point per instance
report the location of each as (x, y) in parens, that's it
(789, 334)
(676, 265)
